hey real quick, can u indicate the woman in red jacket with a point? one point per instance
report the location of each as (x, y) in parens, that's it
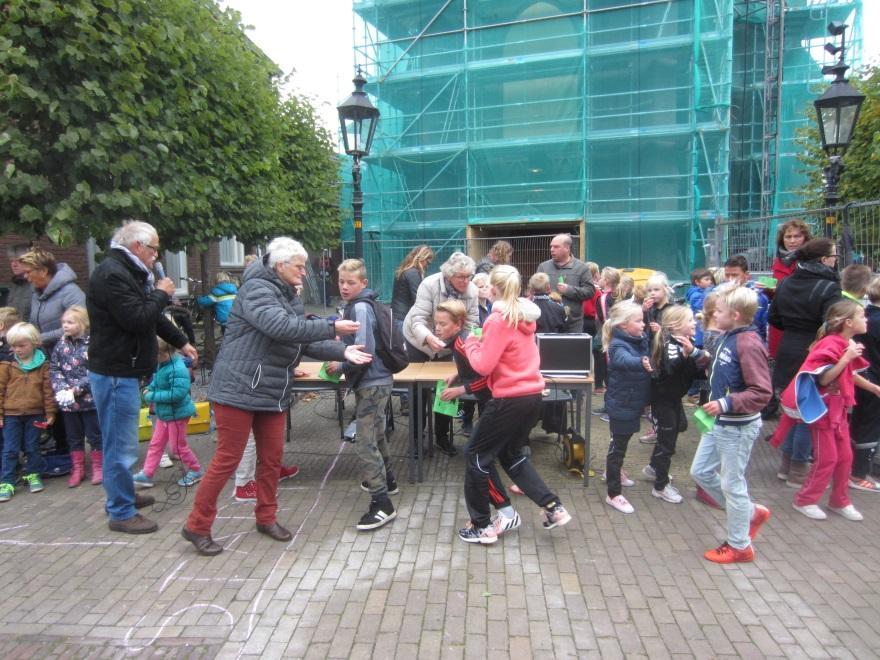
(508, 355)
(789, 238)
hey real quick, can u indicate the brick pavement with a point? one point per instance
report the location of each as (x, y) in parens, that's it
(606, 585)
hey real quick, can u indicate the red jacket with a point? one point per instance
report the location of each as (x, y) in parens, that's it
(508, 355)
(589, 305)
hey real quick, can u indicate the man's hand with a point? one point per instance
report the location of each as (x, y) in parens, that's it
(344, 327)
(712, 408)
(166, 284)
(356, 355)
(190, 351)
(451, 393)
(562, 288)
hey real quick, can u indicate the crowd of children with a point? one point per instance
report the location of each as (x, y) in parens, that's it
(650, 352)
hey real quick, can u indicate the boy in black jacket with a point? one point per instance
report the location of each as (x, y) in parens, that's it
(552, 313)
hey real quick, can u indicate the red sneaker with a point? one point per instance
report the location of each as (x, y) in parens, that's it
(246, 493)
(761, 515)
(707, 499)
(288, 471)
(725, 554)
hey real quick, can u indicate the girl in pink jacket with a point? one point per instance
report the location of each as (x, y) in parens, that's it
(507, 354)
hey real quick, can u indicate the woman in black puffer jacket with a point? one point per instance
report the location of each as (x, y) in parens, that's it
(800, 304)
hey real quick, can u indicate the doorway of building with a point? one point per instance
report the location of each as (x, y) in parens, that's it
(531, 243)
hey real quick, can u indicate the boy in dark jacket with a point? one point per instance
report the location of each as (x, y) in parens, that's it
(740, 388)
(865, 420)
(552, 317)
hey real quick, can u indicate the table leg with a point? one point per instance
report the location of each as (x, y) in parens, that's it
(340, 413)
(289, 424)
(412, 432)
(588, 410)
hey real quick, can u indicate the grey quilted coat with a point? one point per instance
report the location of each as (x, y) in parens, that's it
(266, 337)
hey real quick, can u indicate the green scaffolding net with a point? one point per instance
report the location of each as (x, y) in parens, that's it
(644, 120)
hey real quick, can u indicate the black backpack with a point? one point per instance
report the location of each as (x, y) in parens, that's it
(390, 346)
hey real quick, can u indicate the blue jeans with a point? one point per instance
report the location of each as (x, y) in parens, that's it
(118, 401)
(20, 433)
(728, 448)
(799, 443)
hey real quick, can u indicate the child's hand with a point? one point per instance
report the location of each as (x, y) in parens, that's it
(646, 363)
(1, 422)
(450, 380)
(648, 303)
(655, 327)
(686, 346)
(300, 373)
(712, 408)
(853, 351)
(50, 420)
(451, 393)
(332, 367)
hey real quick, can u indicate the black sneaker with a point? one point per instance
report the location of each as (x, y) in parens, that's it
(599, 411)
(391, 486)
(446, 447)
(379, 514)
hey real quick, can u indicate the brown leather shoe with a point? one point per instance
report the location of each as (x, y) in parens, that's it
(204, 544)
(275, 531)
(143, 501)
(137, 524)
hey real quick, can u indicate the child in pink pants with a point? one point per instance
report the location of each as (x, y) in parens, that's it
(169, 393)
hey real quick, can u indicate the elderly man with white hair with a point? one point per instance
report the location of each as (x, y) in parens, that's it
(125, 306)
(266, 336)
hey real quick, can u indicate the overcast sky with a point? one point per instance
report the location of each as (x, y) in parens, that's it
(314, 39)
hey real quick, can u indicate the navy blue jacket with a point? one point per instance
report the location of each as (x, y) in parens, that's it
(629, 385)
(740, 377)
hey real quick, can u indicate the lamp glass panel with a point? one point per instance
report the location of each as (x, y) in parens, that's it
(847, 122)
(830, 125)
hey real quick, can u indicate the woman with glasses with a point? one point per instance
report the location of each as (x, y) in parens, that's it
(267, 335)
(453, 282)
(798, 309)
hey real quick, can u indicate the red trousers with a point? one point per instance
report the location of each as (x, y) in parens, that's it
(832, 457)
(233, 428)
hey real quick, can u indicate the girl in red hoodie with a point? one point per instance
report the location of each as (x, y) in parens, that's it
(508, 356)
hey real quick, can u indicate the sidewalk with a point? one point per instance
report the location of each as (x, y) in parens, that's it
(605, 585)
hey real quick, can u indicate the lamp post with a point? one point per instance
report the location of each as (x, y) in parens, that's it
(837, 112)
(357, 119)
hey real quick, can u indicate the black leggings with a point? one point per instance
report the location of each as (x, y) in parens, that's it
(669, 417)
(614, 462)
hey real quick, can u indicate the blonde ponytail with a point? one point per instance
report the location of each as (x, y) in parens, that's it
(508, 288)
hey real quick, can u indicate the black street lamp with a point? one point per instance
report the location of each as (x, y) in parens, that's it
(837, 112)
(357, 119)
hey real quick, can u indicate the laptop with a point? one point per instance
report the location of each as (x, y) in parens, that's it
(565, 355)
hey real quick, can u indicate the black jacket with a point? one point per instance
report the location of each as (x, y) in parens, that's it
(803, 298)
(675, 373)
(473, 382)
(404, 295)
(552, 317)
(125, 319)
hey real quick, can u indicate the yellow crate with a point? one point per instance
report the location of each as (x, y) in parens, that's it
(201, 423)
(145, 426)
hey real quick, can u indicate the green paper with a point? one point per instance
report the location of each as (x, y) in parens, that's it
(562, 279)
(705, 421)
(332, 378)
(767, 282)
(449, 408)
(477, 332)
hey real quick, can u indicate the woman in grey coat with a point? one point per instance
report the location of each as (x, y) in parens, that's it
(55, 291)
(266, 336)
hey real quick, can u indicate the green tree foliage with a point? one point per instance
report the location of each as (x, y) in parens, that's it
(160, 109)
(861, 178)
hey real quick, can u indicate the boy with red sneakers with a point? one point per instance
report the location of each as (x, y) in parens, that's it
(740, 388)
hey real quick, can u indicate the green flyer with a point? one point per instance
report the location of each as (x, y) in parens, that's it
(444, 407)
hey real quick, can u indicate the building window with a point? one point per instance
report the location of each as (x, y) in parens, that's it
(175, 268)
(231, 252)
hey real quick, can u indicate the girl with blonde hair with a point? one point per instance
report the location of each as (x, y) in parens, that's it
(508, 356)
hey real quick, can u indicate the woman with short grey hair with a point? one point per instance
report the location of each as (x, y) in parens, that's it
(453, 282)
(266, 336)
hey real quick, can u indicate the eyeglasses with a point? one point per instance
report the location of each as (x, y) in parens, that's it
(460, 277)
(301, 267)
(154, 248)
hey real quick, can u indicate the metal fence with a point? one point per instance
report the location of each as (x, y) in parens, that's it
(382, 257)
(855, 226)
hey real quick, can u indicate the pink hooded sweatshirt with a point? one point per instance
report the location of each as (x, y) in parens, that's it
(508, 355)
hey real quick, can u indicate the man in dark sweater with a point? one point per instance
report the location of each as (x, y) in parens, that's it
(571, 279)
(125, 306)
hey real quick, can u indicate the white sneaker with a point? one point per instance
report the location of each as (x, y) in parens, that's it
(624, 479)
(812, 511)
(649, 472)
(668, 494)
(503, 524)
(620, 503)
(166, 461)
(849, 512)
